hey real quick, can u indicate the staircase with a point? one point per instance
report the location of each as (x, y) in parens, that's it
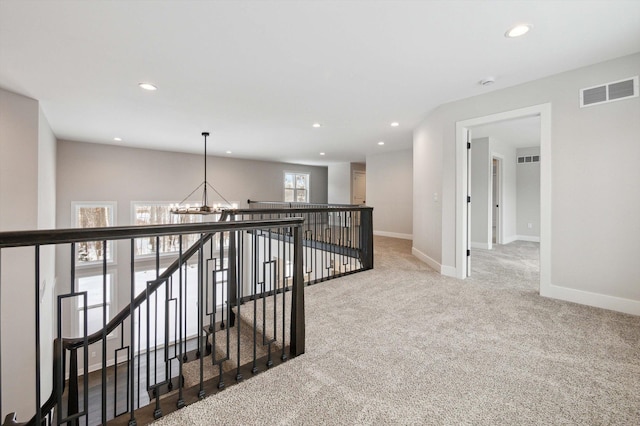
(246, 303)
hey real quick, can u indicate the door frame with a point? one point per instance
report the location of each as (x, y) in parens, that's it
(544, 111)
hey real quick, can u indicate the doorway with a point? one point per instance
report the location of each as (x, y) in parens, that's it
(463, 248)
(359, 195)
(496, 200)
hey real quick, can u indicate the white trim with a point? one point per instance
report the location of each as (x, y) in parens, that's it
(448, 271)
(544, 111)
(484, 246)
(426, 259)
(528, 238)
(597, 300)
(393, 235)
(509, 239)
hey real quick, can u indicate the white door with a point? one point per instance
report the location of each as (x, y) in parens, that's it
(359, 195)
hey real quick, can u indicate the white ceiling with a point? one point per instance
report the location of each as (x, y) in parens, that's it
(257, 74)
(518, 132)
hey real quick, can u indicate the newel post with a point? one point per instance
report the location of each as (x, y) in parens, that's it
(297, 297)
(366, 237)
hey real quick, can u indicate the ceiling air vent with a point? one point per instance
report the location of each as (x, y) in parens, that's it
(614, 91)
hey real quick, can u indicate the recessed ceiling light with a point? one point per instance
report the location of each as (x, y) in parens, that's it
(117, 139)
(518, 30)
(147, 86)
(381, 143)
(228, 152)
(316, 125)
(322, 153)
(395, 124)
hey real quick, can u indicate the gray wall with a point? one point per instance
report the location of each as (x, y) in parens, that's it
(594, 156)
(528, 182)
(27, 201)
(339, 183)
(389, 192)
(93, 172)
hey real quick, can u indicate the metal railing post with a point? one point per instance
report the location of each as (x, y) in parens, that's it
(297, 297)
(366, 237)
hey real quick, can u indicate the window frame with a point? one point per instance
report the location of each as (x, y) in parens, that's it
(111, 206)
(113, 302)
(134, 205)
(295, 187)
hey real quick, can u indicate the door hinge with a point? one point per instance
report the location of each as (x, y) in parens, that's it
(468, 145)
(468, 198)
(468, 252)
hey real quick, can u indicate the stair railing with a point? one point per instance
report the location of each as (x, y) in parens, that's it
(248, 254)
(337, 238)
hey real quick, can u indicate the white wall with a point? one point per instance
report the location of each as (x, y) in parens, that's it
(528, 183)
(389, 192)
(27, 201)
(428, 196)
(594, 155)
(339, 183)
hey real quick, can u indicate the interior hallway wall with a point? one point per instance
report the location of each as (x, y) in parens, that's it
(528, 196)
(389, 192)
(27, 201)
(594, 155)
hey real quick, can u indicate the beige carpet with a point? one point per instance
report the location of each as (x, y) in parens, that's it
(403, 345)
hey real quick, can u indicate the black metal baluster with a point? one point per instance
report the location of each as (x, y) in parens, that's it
(254, 282)
(0, 332)
(185, 357)
(201, 392)
(132, 418)
(283, 244)
(157, 412)
(180, 402)
(72, 396)
(104, 334)
(234, 281)
(37, 314)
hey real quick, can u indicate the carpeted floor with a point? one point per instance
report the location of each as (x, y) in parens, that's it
(401, 344)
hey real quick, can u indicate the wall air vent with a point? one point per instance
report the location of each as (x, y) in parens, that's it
(529, 159)
(609, 92)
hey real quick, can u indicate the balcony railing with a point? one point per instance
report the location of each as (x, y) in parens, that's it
(202, 318)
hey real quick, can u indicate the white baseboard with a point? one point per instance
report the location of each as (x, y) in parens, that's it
(528, 238)
(509, 239)
(449, 271)
(393, 235)
(613, 303)
(426, 259)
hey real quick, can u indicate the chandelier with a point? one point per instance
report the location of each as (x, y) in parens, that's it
(203, 207)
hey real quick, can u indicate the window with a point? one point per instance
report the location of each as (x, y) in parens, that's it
(296, 187)
(94, 215)
(159, 214)
(93, 285)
